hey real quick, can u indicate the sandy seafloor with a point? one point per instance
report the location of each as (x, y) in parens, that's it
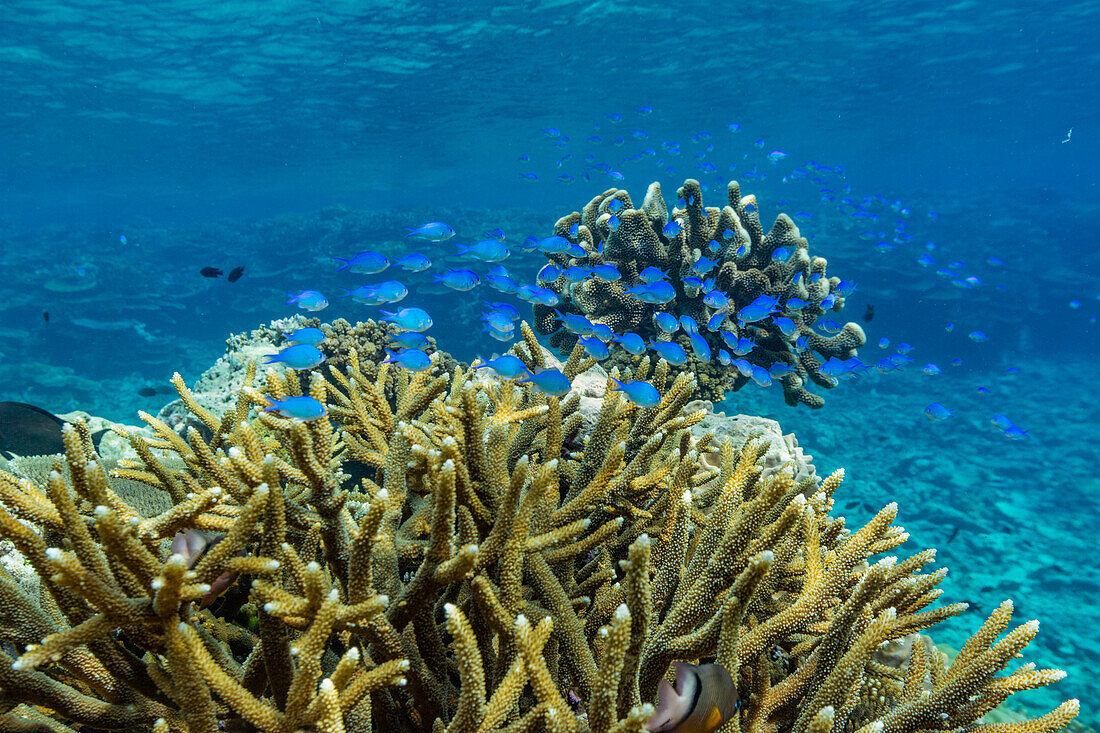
(1011, 519)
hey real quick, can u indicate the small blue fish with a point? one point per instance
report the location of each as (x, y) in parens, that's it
(615, 205)
(780, 370)
(828, 301)
(884, 343)
(603, 332)
(502, 283)
(754, 312)
(365, 294)
(690, 326)
(795, 304)
(931, 369)
(391, 291)
(309, 300)
(700, 346)
(703, 265)
(410, 339)
(672, 229)
(503, 307)
(414, 360)
(299, 356)
(297, 408)
(461, 280)
(977, 337)
(714, 245)
(410, 319)
(613, 222)
(631, 343)
(575, 274)
(433, 231)
(833, 367)
(666, 322)
(503, 336)
(607, 273)
(307, 335)
(904, 348)
(506, 365)
(693, 282)
(594, 347)
(554, 244)
(656, 293)
(829, 326)
(786, 325)
(487, 250)
(743, 366)
(724, 357)
(936, 411)
(651, 275)
(413, 262)
(1014, 432)
(640, 393)
(548, 274)
(497, 234)
(716, 321)
(744, 346)
(549, 381)
(365, 263)
(1001, 422)
(671, 352)
(717, 299)
(575, 323)
(576, 250)
(498, 321)
(761, 376)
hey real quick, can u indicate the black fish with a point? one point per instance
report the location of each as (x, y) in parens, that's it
(46, 316)
(27, 430)
(210, 272)
(869, 314)
(147, 391)
(235, 274)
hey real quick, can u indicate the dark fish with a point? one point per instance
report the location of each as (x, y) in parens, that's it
(235, 274)
(46, 316)
(27, 430)
(704, 698)
(147, 391)
(954, 533)
(869, 314)
(210, 272)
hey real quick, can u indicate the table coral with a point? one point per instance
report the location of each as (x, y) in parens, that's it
(483, 572)
(748, 266)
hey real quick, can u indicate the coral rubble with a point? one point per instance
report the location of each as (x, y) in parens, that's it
(749, 264)
(487, 571)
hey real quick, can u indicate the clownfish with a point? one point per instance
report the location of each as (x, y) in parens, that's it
(705, 697)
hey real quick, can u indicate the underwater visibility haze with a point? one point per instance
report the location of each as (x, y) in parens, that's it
(469, 285)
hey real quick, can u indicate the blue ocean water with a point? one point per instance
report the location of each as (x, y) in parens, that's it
(944, 156)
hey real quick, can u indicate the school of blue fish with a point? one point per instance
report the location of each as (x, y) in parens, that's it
(602, 156)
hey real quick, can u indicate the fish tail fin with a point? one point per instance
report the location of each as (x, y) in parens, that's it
(272, 359)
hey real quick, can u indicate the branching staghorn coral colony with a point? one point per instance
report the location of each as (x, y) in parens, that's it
(746, 301)
(456, 551)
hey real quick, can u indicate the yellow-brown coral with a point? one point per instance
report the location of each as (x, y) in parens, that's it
(483, 573)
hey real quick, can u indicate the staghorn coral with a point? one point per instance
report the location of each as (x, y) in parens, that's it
(746, 270)
(486, 573)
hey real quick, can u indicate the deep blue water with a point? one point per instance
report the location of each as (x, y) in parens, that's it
(216, 134)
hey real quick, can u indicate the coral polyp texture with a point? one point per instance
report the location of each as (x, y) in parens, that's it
(749, 265)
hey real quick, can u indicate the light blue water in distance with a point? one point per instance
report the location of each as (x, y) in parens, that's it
(225, 133)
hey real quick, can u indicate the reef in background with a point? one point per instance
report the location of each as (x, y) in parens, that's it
(502, 559)
(749, 265)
